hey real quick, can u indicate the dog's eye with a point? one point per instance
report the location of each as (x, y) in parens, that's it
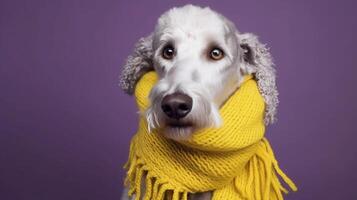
(216, 54)
(168, 52)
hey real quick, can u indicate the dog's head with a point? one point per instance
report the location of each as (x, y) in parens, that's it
(201, 59)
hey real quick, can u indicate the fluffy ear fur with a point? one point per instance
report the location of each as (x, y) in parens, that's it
(258, 61)
(137, 64)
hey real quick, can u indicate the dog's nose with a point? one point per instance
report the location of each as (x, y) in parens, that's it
(176, 105)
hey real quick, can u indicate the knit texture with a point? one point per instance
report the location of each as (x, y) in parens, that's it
(234, 161)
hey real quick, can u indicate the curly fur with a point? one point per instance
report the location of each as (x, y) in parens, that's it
(261, 64)
(137, 64)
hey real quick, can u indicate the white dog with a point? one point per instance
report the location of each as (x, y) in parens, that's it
(201, 59)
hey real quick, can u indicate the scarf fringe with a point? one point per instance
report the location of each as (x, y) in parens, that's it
(154, 188)
(137, 173)
(264, 174)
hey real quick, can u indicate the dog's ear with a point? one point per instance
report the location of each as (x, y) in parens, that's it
(257, 60)
(137, 64)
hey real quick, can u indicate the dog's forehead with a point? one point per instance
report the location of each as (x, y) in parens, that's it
(193, 21)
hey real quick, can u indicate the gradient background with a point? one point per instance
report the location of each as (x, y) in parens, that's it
(65, 125)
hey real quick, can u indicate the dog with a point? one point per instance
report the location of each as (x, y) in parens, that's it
(201, 59)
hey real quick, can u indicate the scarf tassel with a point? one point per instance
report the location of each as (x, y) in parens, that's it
(137, 174)
(264, 174)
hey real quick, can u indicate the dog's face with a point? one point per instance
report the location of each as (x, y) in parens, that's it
(201, 59)
(197, 55)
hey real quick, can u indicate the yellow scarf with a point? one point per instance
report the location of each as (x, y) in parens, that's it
(234, 161)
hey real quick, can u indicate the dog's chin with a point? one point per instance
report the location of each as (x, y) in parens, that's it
(178, 131)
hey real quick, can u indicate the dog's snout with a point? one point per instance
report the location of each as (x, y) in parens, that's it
(176, 105)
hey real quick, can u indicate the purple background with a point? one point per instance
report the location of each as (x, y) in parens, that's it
(65, 125)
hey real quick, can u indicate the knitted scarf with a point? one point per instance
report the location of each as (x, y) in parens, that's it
(234, 161)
